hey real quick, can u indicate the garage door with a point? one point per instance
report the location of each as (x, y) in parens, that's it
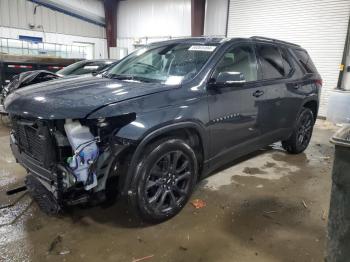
(320, 26)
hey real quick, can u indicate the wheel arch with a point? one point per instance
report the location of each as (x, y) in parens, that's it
(194, 133)
(313, 106)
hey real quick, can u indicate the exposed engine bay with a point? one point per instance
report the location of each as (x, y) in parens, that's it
(69, 161)
(84, 145)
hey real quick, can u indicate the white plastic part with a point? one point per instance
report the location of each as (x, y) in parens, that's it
(339, 107)
(86, 151)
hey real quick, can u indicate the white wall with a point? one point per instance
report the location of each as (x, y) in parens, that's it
(16, 16)
(20, 14)
(320, 26)
(152, 18)
(100, 45)
(215, 17)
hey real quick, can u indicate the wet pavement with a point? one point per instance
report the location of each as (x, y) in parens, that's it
(268, 206)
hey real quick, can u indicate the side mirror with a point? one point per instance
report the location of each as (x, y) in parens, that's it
(230, 78)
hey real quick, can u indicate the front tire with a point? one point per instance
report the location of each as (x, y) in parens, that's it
(301, 136)
(165, 179)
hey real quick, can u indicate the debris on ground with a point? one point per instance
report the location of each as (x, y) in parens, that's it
(324, 215)
(64, 252)
(139, 239)
(182, 248)
(56, 247)
(198, 203)
(142, 258)
(304, 204)
(57, 240)
(269, 212)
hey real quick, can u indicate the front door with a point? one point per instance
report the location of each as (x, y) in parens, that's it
(232, 105)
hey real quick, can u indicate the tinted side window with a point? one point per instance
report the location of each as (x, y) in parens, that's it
(305, 60)
(271, 61)
(288, 66)
(240, 59)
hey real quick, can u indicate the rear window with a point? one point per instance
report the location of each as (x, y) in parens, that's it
(270, 61)
(305, 60)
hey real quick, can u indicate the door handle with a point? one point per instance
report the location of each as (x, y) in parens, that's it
(258, 93)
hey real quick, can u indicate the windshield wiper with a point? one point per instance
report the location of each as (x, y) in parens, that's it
(130, 77)
(121, 77)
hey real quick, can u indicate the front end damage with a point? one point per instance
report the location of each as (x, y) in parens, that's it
(70, 162)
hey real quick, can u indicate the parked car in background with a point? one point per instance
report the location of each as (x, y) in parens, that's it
(161, 119)
(11, 65)
(85, 67)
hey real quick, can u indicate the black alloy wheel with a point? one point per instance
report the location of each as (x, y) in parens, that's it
(168, 182)
(164, 180)
(301, 136)
(305, 130)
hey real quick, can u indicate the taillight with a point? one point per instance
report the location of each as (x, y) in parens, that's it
(319, 82)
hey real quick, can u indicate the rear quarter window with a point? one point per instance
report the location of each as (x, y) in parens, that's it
(287, 62)
(271, 63)
(305, 60)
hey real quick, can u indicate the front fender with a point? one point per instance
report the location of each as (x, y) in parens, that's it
(126, 184)
(156, 115)
(149, 125)
(155, 111)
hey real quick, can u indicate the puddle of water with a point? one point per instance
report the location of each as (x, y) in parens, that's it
(269, 166)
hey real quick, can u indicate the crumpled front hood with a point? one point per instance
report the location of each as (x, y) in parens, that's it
(28, 78)
(75, 97)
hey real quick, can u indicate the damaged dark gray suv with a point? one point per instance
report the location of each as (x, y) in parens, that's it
(166, 116)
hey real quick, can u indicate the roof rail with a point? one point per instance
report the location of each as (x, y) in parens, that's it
(273, 40)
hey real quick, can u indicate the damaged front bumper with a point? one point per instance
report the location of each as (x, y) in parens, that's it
(42, 184)
(46, 177)
(48, 187)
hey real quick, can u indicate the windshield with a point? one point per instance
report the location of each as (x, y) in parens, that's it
(170, 64)
(83, 67)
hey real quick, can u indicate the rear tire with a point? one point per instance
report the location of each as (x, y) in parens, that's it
(165, 178)
(301, 136)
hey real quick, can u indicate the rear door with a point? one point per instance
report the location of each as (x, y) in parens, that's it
(271, 117)
(303, 82)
